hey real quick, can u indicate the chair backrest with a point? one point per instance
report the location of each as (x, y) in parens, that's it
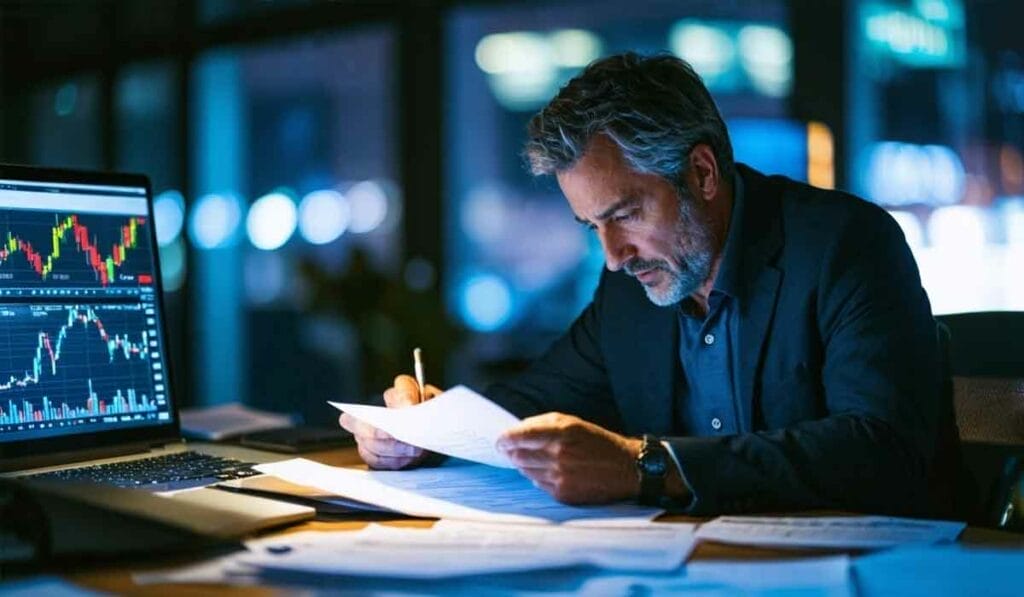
(986, 344)
(988, 394)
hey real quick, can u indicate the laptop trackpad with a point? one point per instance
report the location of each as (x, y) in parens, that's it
(251, 512)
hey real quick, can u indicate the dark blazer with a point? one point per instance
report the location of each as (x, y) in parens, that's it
(840, 401)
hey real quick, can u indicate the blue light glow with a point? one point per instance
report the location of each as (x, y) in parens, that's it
(323, 216)
(904, 173)
(65, 100)
(369, 206)
(706, 46)
(168, 216)
(215, 221)
(271, 221)
(525, 68)
(172, 264)
(773, 145)
(767, 55)
(486, 303)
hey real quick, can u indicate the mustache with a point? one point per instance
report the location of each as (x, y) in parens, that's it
(636, 265)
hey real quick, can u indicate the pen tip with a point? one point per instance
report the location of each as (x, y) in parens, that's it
(416, 352)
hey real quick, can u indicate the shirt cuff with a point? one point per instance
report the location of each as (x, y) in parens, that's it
(671, 503)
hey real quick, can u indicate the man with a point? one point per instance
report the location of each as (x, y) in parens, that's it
(774, 351)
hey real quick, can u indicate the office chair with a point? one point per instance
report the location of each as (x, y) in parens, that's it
(985, 353)
(987, 343)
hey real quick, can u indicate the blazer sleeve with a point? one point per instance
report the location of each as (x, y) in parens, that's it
(873, 450)
(570, 377)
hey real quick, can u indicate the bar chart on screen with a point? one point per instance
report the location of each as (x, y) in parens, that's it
(64, 365)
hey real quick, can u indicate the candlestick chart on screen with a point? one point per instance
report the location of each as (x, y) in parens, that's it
(39, 248)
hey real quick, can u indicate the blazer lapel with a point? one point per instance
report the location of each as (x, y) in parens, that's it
(656, 348)
(760, 282)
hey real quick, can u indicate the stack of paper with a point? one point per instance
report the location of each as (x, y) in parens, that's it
(840, 532)
(458, 490)
(452, 548)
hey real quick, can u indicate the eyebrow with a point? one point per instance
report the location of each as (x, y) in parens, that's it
(627, 201)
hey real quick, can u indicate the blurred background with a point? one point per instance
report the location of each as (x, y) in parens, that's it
(338, 182)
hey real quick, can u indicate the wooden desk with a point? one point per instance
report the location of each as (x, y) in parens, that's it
(117, 579)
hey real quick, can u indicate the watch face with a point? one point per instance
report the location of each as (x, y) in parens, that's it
(653, 463)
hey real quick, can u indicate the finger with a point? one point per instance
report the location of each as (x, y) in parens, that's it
(539, 478)
(529, 458)
(402, 393)
(431, 391)
(408, 384)
(527, 436)
(390, 448)
(384, 462)
(362, 430)
(549, 488)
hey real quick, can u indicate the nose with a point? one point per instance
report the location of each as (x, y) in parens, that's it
(617, 249)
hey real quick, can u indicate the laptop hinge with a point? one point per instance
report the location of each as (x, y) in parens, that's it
(57, 458)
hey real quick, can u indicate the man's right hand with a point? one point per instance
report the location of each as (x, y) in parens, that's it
(378, 449)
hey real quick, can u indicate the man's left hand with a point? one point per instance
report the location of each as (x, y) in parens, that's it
(575, 461)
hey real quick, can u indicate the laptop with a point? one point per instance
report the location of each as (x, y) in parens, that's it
(85, 378)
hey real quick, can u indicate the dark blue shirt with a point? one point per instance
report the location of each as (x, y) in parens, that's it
(706, 402)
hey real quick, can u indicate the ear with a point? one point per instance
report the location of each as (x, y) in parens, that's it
(703, 172)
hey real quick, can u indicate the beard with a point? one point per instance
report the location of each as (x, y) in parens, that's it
(691, 260)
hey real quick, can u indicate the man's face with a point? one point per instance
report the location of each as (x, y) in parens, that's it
(645, 227)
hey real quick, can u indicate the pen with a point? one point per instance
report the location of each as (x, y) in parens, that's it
(417, 363)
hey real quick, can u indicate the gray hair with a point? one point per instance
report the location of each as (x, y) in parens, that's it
(655, 108)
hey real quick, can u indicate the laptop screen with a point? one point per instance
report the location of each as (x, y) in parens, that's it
(81, 336)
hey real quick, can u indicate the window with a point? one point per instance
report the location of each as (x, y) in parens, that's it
(295, 196)
(935, 138)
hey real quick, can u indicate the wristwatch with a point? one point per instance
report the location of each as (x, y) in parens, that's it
(652, 468)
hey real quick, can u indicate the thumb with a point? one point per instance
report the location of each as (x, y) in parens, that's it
(404, 392)
(431, 391)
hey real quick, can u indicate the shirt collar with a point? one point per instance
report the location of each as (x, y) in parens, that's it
(727, 280)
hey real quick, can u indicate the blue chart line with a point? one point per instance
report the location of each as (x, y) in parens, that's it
(60, 362)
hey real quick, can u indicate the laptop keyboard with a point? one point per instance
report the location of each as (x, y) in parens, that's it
(161, 473)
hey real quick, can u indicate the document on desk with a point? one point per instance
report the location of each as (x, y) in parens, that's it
(826, 576)
(841, 532)
(453, 548)
(459, 423)
(459, 490)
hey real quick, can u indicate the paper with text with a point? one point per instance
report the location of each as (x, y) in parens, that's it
(841, 532)
(459, 423)
(453, 548)
(459, 490)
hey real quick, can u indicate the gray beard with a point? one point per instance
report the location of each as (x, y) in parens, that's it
(693, 257)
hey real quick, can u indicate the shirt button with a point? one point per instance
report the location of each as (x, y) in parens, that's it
(709, 339)
(716, 423)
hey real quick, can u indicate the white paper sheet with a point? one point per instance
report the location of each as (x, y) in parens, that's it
(821, 576)
(458, 490)
(459, 423)
(453, 548)
(843, 532)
